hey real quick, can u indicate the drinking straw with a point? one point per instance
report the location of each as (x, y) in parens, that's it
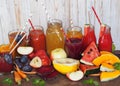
(71, 23)
(31, 24)
(96, 15)
(18, 43)
(65, 35)
(89, 15)
(14, 39)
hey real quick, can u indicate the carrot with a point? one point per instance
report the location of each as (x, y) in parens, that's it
(21, 73)
(32, 72)
(17, 77)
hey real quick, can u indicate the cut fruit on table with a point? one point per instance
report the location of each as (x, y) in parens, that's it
(106, 76)
(106, 58)
(90, 54)
(106, 67)
(24, 50)
(58, 53)
(66, 65)
(89, 69)
(75, 76)
(36, 62)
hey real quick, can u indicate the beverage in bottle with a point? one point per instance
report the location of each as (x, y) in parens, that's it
(105, 39)
(54, 35)
(89, 35)
(37, 38)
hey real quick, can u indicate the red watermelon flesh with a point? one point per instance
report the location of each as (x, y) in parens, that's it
(90, 54)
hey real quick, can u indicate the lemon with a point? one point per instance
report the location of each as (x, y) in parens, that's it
(65, 65)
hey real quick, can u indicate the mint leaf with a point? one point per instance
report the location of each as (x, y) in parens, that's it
(38, 82)
(117, 65)
(8, 81)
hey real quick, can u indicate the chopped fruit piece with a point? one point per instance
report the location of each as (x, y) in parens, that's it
(75, 76)
(90, 54)
(36, 62)
(66, 65)
(58, 53)
(24, 50)
(106, 67)
(106, 76)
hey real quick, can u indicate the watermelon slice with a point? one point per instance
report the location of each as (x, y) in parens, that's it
(89, 69)
(90, 54)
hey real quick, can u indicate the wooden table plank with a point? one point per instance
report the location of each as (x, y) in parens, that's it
(62, 80)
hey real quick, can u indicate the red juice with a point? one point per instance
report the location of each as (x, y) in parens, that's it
(105, 39)
(73, 48)
(37, 39)
(89, 35)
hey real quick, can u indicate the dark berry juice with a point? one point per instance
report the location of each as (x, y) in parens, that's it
(73, 48)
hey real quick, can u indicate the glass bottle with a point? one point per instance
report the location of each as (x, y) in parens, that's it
(105, 39)
(54, 35)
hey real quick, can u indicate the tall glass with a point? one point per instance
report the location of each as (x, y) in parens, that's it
(12, 34)
(89, 35)
(105, 39)
(54, 35)
(37, 38)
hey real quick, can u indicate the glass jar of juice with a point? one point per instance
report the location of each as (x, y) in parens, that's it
(12, 34)
(89, 35)
(105, 39)
(74, 32)
(5, 67)
(54, 35)
(37, 38)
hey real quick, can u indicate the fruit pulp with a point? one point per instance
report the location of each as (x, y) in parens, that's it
(89, 35)
(73, 48)
(37, 39)
(74, 32)
(11, 36)
(105, 39)
(54, 36)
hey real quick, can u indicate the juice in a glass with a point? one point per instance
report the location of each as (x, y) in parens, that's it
(73, 48)
(105, 39)
(12, 34)
(54, 36)
(37, 38)
(4, 66)
(74, 32)
(89, 35)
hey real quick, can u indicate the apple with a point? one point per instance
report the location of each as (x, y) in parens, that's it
(75, 76)
(36, 62)
(58, 53)
(25, 50)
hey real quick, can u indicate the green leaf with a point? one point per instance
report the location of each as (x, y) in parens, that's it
(91, 82)
(117, 65)
(38, 82)
(8, 81)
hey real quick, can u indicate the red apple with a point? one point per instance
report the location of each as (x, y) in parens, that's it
(36, 62)
(58, 53)
(31, 55)
(75, 76)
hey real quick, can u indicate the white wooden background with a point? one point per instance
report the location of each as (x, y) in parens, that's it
(16, 12)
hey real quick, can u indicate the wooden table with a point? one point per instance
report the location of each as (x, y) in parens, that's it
(61, 80)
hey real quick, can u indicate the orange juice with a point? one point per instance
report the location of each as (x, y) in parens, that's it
(12, 34)
(74, 32)
(54, 36)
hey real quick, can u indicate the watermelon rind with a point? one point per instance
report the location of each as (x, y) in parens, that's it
(85, 62)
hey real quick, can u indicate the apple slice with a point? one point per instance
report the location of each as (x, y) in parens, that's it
(58, 53)
(24, 50)
(36, 62)
(75, 76)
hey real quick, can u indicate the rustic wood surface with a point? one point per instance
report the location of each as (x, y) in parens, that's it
(16, 12)
(62, 80)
